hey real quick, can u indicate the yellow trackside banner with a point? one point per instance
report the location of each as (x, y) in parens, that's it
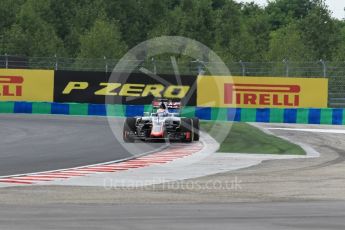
(262, 92)
(26, 85)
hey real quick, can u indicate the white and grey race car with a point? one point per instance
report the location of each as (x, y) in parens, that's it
(163, 123)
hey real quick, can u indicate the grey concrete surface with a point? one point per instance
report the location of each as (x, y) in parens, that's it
(202, 163)
(273, 180)
(254, 216)
(33, 143)
(311, 195)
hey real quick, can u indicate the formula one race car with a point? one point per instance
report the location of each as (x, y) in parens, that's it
(163, 123)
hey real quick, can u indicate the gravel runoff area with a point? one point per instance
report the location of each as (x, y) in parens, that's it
(277, 180)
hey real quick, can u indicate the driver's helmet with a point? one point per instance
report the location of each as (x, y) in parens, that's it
(162, 109)
(162, 105)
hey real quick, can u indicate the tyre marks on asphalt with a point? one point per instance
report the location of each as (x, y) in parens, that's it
(175, 151)
(320, 136)
(338, 160)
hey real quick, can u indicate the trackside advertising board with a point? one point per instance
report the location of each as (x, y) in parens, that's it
(262, 92)
(26, 85)
(122, 88)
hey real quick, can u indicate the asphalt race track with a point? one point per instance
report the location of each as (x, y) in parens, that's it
(278, 194)
(243, 216)
(33, 143)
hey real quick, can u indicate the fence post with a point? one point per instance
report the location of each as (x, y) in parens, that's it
(154, 65)
(324, 67)
(56, 62)
(6, 60)
(200, 66)
(106, 64)
(286, 62)
(243, 65)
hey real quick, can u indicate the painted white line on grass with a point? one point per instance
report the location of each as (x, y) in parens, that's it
(335, 131)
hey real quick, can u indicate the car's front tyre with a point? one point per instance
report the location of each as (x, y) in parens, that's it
(128, 128)
(196, 128)
(187, 129)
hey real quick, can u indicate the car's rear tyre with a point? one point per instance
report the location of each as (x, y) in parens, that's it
(196, 128)
(128, 127)
(187, 127)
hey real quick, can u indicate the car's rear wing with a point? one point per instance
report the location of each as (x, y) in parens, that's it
(168, 104)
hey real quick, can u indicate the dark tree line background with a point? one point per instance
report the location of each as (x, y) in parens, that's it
(295, 30)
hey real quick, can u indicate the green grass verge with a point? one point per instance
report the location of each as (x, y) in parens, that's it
(244, 138)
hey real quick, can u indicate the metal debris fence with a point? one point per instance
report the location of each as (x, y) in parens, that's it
(334, 71)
